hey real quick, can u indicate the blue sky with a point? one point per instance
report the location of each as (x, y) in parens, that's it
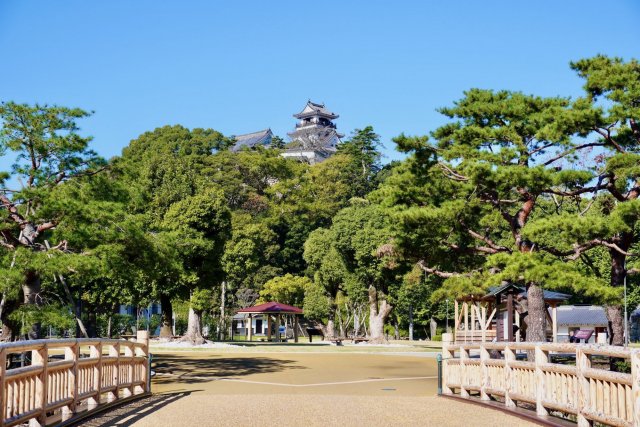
(241, 66)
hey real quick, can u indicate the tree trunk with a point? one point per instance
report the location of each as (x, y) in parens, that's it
(411, 323)
(396, 330)
(31, 290)
(92, 324)
(614, 312)
(616, 324)
(378, 313)
(194, 328)
(166, 321)
(433, 328)
(223, 315)
(536, 317)
(330, 330)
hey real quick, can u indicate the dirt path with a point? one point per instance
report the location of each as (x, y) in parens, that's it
(213, 389)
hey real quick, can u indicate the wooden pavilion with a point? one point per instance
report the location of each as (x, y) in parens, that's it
(274, 311)
(497, 316)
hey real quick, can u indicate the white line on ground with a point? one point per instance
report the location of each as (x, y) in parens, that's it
(371, 380)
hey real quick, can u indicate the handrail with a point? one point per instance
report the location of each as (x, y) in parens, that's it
(94, 372)
(586, 391)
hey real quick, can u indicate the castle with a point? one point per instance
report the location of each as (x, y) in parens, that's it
(314, 139)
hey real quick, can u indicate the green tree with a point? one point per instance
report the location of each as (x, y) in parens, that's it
(201, 226)
(49, 152)
(287, 289)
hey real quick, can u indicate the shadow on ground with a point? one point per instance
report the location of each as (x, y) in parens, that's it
(177, 369)
(129, 413)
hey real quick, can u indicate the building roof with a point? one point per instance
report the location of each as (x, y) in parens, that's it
(593, 315)
(250, 140)
(493, 292)
(313, 109)
(272, 307)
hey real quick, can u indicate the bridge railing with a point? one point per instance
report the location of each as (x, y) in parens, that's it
(68, 377)
(585, 390)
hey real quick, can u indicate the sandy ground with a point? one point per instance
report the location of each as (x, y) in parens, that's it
(350, 389)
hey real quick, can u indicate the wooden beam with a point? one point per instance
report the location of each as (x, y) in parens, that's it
(488, 323)
(510, 317)
(554, 322)
(456, 320)
(295, 328)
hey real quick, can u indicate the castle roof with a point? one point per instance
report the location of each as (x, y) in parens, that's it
(315, 109)
(250, 140)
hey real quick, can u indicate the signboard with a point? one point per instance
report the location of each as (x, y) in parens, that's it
(282, 329)
(583, 334)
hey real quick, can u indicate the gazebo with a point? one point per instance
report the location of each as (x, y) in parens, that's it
(495, 316)
(277, 311)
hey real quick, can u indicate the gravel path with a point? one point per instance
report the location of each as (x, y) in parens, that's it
(271, 389)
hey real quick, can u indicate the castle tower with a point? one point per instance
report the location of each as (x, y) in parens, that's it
(315, 137)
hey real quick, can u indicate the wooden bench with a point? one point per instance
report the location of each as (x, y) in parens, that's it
(336, 341)
(356, 340)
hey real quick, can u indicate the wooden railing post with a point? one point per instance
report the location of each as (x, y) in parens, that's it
(447, 340)
(143, 338)
(464, 355)
(542, 358)
(129, 352)
(3, 371)
(71, 353)
(584, 393)
(40, 357)
(96, 352)
(635, 387)
(486, 381)
(509, 356)
(114, 351)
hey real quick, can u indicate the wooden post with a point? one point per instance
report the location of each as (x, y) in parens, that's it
(464, 355)
(635, 388)
(269, 327)
(517, 317)
(509, 357)
(541, 390)
(456, 320)
(96, 352)
(510, 317)
(554, 321)
(250, 326)
(71, 353)
(142, 337)
(3, 402)
(295, 328)
(584, 390)
(465, 306)
(114, 351)
(473, 315)
(486, 381)
(447, 339)
(128, 352)
(278, 323)
(40, 357)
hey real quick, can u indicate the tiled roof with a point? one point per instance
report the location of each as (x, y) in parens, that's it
(262, 137)
(313, 108)
(593, 315)
(271, 307)
(548, 295)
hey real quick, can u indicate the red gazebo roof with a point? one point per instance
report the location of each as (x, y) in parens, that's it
(271, 307)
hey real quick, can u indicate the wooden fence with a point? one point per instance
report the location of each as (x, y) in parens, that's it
(68, 377)
(585, 391)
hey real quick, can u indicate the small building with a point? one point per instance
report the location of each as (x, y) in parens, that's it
(572, 318)
(251, 140)
(315, 137)
(274, 313)
(498, 315)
